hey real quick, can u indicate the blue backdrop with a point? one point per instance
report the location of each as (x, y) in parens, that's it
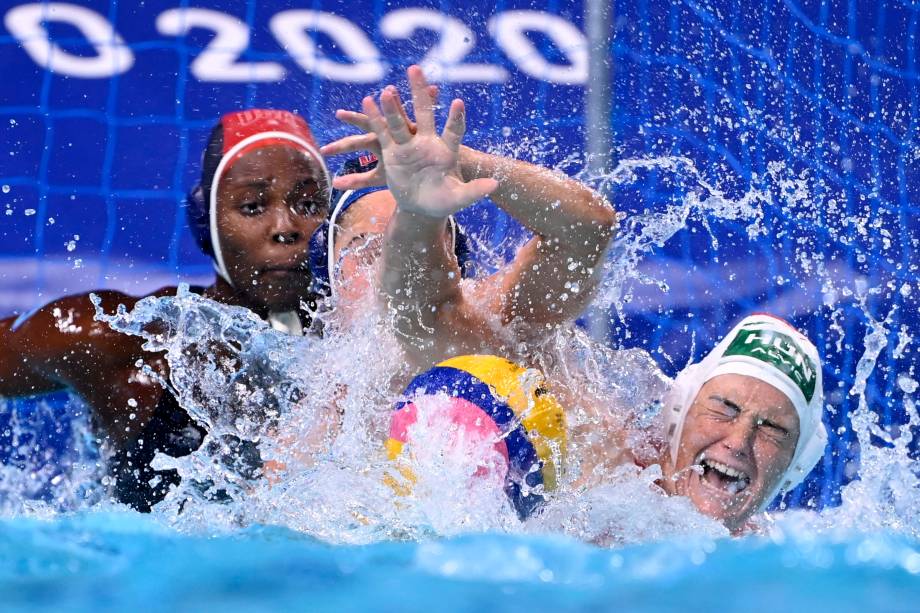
(105, 106)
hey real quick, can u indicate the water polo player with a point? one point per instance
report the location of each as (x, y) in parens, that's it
(431, 176)
(740, 427)
(493, 420)
(744, 424)
(263, 193)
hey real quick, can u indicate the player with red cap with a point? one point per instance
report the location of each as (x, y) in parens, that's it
(264, 192)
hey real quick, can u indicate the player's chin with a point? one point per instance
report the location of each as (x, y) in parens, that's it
(282, 294)
(732, 509)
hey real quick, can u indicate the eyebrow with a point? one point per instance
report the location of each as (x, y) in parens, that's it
(256, 182)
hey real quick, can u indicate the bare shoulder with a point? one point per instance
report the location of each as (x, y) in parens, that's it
(62, 344)
(77, 311)
(70, 322)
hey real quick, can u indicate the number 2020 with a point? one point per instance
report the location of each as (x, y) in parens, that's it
(220, 60)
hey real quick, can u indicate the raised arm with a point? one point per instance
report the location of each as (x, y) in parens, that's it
(553, 276)
(422, 170)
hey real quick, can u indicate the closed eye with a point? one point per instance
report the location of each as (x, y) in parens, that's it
(723, 407)
(773, 430)
(356, 240)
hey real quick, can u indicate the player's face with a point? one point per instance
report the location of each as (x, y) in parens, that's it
(358, 246)
(740, 435)
(359, 240)
(270, 202)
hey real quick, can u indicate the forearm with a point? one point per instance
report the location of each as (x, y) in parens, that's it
(420, 272)
(553, 276)
(549, 203)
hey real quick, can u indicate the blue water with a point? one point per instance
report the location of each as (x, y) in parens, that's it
(119, 561)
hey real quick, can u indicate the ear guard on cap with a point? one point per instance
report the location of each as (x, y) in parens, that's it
(318, 259)
(462, 249)
(199, 219)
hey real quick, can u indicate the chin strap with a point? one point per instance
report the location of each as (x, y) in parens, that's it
(286, 321)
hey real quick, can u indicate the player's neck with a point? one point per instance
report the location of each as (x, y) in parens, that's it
(222, 291)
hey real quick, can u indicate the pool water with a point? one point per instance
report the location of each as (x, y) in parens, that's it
(121, 560)
(326, 538)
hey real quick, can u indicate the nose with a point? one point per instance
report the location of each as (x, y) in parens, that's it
(740, 437)
(287, 227)
(287, 238)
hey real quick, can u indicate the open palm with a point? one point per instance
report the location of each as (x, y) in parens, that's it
(420, 166)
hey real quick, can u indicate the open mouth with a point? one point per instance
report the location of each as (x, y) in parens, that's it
(723, 477)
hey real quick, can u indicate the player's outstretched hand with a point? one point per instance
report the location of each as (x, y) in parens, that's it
(420, 166)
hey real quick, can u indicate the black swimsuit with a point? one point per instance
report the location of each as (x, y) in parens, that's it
(173, 432)
(170, 431)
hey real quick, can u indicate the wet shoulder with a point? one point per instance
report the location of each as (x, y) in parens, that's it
(71, 322)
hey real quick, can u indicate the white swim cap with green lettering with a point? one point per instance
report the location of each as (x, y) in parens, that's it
(769, 349)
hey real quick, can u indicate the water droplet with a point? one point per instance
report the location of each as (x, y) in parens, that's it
(907, 385)
(6, 189)
(29, 212)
